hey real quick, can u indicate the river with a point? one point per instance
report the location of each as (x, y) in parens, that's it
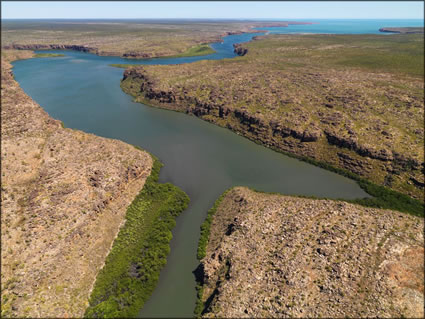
(204, 160)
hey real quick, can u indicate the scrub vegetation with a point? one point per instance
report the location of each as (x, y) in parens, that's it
(352, 102)
(205, 227)
(64, 196)
(139, 252)
(48, 55)
(127, 38)
(270, 255)
(201, 49)
(202, 248)
(383, 198)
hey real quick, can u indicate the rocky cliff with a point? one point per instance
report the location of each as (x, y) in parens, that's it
(342, 124)
(239, 49)
(280, 256)
(64, 196)
(81, 48)
(144, 39)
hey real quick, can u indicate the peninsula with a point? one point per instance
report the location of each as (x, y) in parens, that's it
(142, 38)
(275, 256)
(65, 197)
(355, 102)
(407, 30)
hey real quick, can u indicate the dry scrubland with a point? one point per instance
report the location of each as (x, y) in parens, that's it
(279, 256)
(136, 39)
(64, 197)
(355, 102)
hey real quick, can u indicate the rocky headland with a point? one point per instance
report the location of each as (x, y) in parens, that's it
(81, 48)
(312, 96)
(279, 256)
(64, 198)
(406, 30)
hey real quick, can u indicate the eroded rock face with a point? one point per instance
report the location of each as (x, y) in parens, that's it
(137, 55)
(331, 116)
(64, 197)
(74, 47)
(280, 256)
(81, 48)
(239, 49)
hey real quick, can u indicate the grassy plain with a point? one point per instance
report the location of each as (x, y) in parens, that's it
(355, 102)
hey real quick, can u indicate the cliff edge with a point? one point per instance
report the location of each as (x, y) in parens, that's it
(64, 197)
(320, 97)
(280, 256)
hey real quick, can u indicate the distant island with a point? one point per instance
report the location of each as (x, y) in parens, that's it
(403, 30)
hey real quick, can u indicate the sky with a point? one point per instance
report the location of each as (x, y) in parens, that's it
(222, 10)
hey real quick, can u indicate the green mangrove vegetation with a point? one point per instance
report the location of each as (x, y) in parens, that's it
(139, 252)
(120, 65)
(202, 248)
(206, 226)
(202, 49)
(197, 50)
(381, 196)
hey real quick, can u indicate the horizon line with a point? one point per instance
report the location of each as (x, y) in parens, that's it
(245, 19)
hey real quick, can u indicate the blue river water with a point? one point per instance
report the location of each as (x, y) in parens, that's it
(204, 160)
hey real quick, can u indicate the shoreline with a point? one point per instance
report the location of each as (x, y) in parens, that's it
(136, 55)
(226, 223)
(381, 196)
(151, 105)
(126, 55)
(403, 30)
(128, 277)
(111, 218)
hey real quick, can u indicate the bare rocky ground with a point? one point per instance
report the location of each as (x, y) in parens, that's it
(64, 196)
(279, 256)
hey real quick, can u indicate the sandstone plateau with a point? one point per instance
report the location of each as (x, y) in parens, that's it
(128, 39)
(314, 96)
(278, 256)
(64, 198)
